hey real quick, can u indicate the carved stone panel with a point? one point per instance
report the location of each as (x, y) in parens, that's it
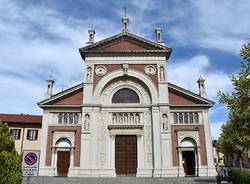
(100, 70)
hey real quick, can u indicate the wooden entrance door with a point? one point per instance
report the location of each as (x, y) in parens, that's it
(188, 158)
(126, 155)
(63, 162)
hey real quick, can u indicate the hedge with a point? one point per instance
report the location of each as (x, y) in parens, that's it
(239, 177)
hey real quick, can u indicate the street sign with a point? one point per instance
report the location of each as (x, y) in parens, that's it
(30, 162)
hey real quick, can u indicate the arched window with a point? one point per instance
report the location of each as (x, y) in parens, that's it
(125, 95)
(71, 118)
(185, 117)
(60, 118)
(188, 142)
(180, 118)
(196, 117)
(63, 143)
(175, 118)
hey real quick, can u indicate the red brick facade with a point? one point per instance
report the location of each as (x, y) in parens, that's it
(138, 67)
(200, 129)
(74, 98)
(77, 150)
(178, 98)
(122, 46)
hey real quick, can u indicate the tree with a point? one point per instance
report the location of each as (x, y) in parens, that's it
(230, 142)
(10, 162)
(235, 137)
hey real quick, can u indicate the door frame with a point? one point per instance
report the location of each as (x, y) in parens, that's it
(69, 161)
(136, 154)
(55, 151)
(187, 167)
(140, 148)
(196, 157)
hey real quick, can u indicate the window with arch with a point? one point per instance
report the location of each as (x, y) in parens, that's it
(188, 142)
(125, 95)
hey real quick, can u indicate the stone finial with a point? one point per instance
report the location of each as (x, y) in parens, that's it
(125, 20)
(50, 83)
(158, 35)
(201, 85)
(91, 36)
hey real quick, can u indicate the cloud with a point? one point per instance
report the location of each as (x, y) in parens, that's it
(35, 40)
(216, 129)
(210, 24)
(185, 72)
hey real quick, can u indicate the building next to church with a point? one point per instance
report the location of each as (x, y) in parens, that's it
(126, 119)
(25, 130)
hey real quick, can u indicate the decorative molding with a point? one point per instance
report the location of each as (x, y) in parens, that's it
(100, 70)
(150, 70)
(89, 73)
(125, 67)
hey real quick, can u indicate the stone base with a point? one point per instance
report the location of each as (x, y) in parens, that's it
(157, 173)
(169, 172)
(47, 171)
(144, 172)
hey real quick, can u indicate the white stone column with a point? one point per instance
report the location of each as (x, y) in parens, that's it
(43, 145)
(140, 156)
(94, 151)
(54, 162)
(209, 147)
(156, 141)
(112, 152)
(181, 169)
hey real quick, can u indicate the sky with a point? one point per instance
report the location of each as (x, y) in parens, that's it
(42, 37)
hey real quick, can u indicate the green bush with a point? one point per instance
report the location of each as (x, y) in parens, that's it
(10, 161)
(239, 177)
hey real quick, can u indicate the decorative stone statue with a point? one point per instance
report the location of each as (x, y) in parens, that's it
(164, 122)
(125, 69)
(89, 74)
(125, 118)
(162, 76)
(86, 123)
(120, 119)
(137, 119)
(131, 118)
(114, 119)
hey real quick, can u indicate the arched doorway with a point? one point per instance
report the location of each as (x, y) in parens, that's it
(126, 110)
(189, 156)
(63, 146)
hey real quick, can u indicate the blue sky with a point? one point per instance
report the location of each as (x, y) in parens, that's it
(37, 37)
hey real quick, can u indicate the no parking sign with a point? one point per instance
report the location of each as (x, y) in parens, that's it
(30, 163)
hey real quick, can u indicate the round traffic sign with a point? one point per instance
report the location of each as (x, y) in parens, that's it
(30, 158)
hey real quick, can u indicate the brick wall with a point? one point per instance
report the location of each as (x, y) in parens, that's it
(200, 129)
(77, 130)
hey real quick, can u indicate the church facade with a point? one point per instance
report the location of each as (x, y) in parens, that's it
(126, 119)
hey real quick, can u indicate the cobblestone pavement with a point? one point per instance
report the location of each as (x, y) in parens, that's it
(120, 180)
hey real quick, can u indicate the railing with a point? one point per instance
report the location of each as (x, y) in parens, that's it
(68, 118)
(185, 117)
(126, 118)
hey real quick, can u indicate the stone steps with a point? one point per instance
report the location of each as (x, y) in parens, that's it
(120, 180)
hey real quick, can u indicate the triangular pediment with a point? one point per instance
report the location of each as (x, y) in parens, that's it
(123, 45)
(125, 42)
(70, 97)
(181, 97)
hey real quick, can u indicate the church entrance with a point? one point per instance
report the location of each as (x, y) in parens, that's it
(188, 158)
(63, 162)
(126, 155)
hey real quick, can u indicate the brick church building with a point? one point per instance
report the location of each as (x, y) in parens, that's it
(126, 119)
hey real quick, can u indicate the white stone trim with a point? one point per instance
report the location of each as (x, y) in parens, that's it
(118, 73)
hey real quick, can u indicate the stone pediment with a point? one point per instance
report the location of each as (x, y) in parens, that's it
(125, 42)
(182, 97)
(177, 97)
(70, 97)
